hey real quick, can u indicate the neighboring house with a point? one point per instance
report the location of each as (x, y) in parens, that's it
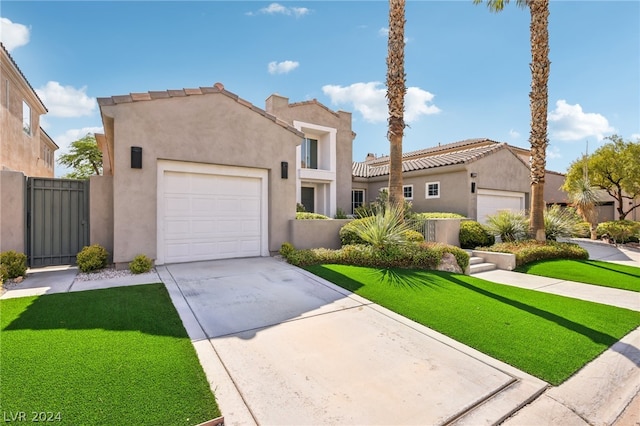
(197, 174)
(24, 146)
(474, 178)
(323, 160)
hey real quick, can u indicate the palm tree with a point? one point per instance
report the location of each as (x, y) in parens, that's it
(538, 100)
(396, 90)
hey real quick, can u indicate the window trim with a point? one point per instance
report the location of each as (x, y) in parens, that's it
(404, 187)
(307, 145)
(426, 190)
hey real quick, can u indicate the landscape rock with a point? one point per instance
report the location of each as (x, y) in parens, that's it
(449, 264)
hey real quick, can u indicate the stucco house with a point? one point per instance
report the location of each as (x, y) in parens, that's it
(474, 178)
(199, 174)
(24, 146)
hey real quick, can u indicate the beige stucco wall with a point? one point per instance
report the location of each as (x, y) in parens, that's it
(12, 211)
(552, 192)
(101, 211)
(312, 112)
(212, 129)
(307, 234)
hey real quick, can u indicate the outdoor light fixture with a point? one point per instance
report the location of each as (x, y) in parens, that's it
(474, 174)
(284, 170)
(136, 157)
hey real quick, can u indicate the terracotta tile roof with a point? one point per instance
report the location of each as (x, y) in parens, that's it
(217, 88)
(15, 65)
(436, 149)
(430, 158)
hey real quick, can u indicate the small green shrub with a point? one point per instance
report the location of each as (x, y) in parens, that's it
(531, 250)
(3, 274)
(286, 249)
(348, 234)
(413, 236)
(140, 264)
(510, 226)
(308, 216)
(620, 231)
(582, 230)
(560, 222)
(91, 258)
(387, 227)
(473, 234)
(15, 263)
(300, 208)
(340, 214)
(438, 215)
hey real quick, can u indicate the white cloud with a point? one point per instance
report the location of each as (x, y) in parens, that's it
(635, 136)
(514, 134)
(283, 67)
(278, 9)
(369, 99)
(570, 123)
(66, 101)
(64, 140)
(13, 34)
(553, 152)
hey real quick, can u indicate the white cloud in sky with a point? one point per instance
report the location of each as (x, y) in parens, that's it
(278, 9)
(283, 67)
(635, 136)
(13, 34)
(66, 101)
(569, 123)
(514, 134)
(369, 99)
(553, 152)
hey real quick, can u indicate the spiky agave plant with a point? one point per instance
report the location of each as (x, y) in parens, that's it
(509, 225)
(385, 228)
(584, 197)
(560, 222)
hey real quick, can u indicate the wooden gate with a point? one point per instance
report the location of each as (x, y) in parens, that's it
(57, 220)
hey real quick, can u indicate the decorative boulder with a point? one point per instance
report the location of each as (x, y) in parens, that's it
(449, 264)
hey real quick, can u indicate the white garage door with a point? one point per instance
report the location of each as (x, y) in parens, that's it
(209, 214)
(492, 201)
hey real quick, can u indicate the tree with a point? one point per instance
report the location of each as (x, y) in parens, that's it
(396, 90)
(538, 101)
(84, 158)
(614, 168)
(584, 197)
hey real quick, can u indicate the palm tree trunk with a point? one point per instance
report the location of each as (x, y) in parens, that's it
(396, 90)
(538, 98)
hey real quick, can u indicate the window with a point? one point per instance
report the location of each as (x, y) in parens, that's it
(26, 118)
(407, 191)
(357, 199)
(432, 190)
(309, 158)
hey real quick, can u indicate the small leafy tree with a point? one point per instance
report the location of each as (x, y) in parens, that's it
(615, 168)
(84, 158)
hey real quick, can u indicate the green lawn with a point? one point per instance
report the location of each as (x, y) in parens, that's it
(548, 336)
(119, 356)
(606, 274)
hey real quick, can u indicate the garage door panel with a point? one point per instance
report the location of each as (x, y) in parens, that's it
(494, 201)
(211, 216)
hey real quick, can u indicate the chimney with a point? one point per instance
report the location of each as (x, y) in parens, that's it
(370, 156)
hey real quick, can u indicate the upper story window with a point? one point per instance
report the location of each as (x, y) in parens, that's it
(309, 158)
(26, 118)
(432, 190)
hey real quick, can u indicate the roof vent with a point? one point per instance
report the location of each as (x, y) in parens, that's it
(219, 86)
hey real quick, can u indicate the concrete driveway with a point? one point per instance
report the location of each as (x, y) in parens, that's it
(282, 346)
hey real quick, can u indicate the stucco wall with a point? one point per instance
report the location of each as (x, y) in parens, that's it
(312, 112)
(12, 211)
(101, 211)
(211, 128)
(307, 234)
(552, 192)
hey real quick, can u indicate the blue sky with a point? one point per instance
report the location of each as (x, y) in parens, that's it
(467, 69)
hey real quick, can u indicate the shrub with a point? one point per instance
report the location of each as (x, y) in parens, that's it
(300, 208)
(438, 215)
(140, 264)
(340, 214)
(413, 236)
(473, 234)
(3, 274)
(286, 249)
(348, 234)
(91, 258)
(14, 263)
(531, 250)
(620, 231)
(387, 227)
(380, 205)
(307, 216)
(582, 230)
(510, 226)
(560, 222)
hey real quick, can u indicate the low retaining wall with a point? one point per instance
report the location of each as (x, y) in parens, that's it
(310, 233)
(505, 261)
